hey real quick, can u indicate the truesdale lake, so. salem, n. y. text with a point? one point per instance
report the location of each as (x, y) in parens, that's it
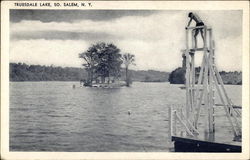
(54, 4)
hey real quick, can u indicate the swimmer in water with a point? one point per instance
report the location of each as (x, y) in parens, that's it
(129, 112)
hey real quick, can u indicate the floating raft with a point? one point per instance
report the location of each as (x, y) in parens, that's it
(182, 144)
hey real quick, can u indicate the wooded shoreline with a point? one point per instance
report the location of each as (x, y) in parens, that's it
(20, 72)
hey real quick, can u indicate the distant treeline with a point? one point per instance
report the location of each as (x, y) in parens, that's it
(24, 72)
(178, 76)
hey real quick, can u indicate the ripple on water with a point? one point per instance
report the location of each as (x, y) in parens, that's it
(51, 116)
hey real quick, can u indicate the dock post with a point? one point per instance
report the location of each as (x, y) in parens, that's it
(206, 83)
(199, 96)
(211, 84)
(170, 123)
(192, 88)
(187, 76)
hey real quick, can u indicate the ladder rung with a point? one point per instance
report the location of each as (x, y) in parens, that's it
(199, 49)
(194, 49)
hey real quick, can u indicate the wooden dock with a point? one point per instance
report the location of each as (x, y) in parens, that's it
(182, 144)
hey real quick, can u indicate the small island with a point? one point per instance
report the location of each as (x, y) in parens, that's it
(103, 62)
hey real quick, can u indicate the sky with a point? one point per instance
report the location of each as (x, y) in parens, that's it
(155, 37)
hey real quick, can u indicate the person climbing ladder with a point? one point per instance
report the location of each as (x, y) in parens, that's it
(196, 31)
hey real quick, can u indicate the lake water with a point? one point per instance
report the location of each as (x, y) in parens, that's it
(52, 116)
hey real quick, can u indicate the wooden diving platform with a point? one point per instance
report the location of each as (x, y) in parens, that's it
(192, 127)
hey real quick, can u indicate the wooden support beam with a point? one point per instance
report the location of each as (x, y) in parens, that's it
(180, 120)
(175, 123)
(170, 124)
(234, 106)
(224, 104)
(198, 110)
(200, 98)
(211, 100)
(193, 42)
(190, 124)
(210, 92)
(212, 95)
(227, 98)
(195, 49)
(198, 27)
(199, 87)
(210, 40)
(192, 84)
(205, 85)
(187, 76)
(199, 49)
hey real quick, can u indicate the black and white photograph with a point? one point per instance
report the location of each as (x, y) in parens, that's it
(81, 78)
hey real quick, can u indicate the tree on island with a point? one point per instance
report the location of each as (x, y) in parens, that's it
(177, 76)
(102, 60)
(89, 57)
(109, 61)
(128, 59)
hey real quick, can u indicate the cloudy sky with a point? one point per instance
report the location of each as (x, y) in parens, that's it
(56, 37)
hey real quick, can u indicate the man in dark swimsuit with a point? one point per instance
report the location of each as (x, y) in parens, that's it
(199, 22)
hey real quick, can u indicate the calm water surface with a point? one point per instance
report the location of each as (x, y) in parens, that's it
(51, 116)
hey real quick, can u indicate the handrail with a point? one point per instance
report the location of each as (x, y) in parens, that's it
(198, 27)
(195, 49)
